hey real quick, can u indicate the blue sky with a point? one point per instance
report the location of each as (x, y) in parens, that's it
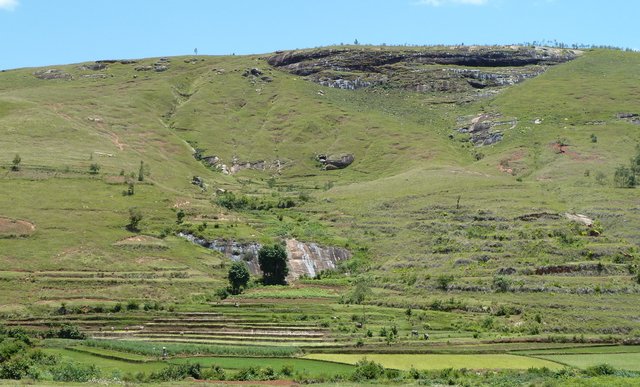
(48, 32)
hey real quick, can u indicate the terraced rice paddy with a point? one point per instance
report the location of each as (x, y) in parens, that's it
(106, 364)
(308, 366)
(442, 361)
(622, 361)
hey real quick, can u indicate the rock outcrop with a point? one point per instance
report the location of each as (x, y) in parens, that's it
(486, 129)
(52, 74)
(428, 69)
(335, 162)
(308, 259)
(633, 118)
(237, 165)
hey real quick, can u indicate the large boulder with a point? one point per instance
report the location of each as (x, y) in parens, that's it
(331, 162)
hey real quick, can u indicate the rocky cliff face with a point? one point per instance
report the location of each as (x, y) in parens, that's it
(303, 258)
(430, 69)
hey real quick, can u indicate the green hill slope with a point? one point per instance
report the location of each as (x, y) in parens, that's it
(437, 222)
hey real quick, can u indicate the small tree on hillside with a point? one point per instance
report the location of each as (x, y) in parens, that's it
(135, 216)
(360, 292)
(180, 216)
(443, 282)
(16, 163)
(273, 263)
(238, 277)
(141, 171)
(624, 177)
(94, 168)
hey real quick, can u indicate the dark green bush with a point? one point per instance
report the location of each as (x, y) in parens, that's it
(501, 284)
(624, 177)
(600, 369)
(68, 331)
(249, 373)
(17, 367)
(367, 370)
(177, 372)
(73, 372)
(443, 281)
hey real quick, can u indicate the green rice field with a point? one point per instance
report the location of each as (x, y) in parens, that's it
(434, 362)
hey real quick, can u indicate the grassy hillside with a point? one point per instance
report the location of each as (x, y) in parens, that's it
(470, 243)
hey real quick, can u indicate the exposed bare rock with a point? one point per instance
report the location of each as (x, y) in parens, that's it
(97, 66)
(52, 74)
(310, 259)
(254, 71)
(307, 61)
(633, 118)
(238, 165)
(427, 69)
(304, 259)
(486, 129)
(95, 119)
(579, 218)
(197, 180)
(95, 76)
(160, 68)
(347, 82)
(157, 67)
(335, 162)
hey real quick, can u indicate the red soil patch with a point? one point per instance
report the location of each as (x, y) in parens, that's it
(564, 149)
(16, 227)
(510, 164)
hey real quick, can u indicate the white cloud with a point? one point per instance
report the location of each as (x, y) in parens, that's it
(437, 3)
(8, 5)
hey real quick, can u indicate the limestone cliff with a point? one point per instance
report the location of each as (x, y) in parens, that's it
(304, 258)
(428, 69)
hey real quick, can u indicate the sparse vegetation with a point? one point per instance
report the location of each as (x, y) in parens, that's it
(15, 164)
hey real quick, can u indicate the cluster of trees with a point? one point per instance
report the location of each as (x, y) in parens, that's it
(627, 177)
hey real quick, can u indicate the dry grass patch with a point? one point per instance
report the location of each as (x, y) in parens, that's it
(142, 241)
(12, 228)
